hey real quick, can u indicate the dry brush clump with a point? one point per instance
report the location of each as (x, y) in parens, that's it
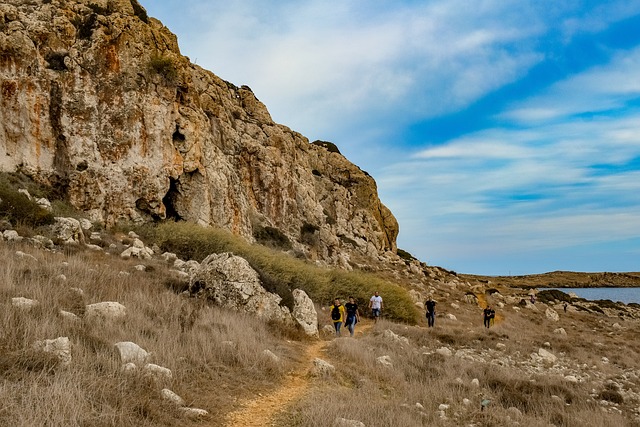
(213, 354)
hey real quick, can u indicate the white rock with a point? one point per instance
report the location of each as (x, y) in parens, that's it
(193, 413)
(137, 252)
(475, 382)
(451, 316)
(25, 256)
(389, 335)
(133, 235)
(107, 310)
(140, 267)
(322, 368)
(551, 314)
(571, 379)
(560, 331)
(60, 347)
(68, 230)
(385, 361)
(514, 412)
(444, 351)
(67, 315)
(44, 203)
(11, 236)
(501, 346)
(124, 274)
(616, 326)
(343, 422)
(131, 352)
(455, 306)
(25, 192)
(43, 241)
(466, 402)
(129, 367)
(24, 303)
(159, 372)
(304, 312)
(95, 236)
(547, 356)
(271, 356)
(172, 397)
(169, 257)
(85, 224)
(93, 247)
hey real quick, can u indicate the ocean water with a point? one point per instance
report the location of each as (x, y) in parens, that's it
(625, 295)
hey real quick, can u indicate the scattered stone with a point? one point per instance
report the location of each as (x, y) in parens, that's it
(546, 344)
(552, 315)
(129, 368)
(68, 230)
(451, 316)
(547, 356)
(24, 303)
(444, 351)
(44, 204)
(322, 368)
(159, 372)
(560, 331)
(455, 306)
(194, 413)
(60, 347)
(389, 335)
(93, 247)
(140, 267)
(172, 397)
(475, 382)
(124, 274)
(271, 356)
(304, 312)
(131, 352)
(11, 236)
(67, 315)
(343, 422)
(571, 379)
(133, 235)
(42, 241)
(616, 326)
(514, 412)
(466, 402)
(137, 250)
(443, 407)
(107, 310)
(328, 330)
(501, 346)
(169, 257)
(25, 192)
(25, 256)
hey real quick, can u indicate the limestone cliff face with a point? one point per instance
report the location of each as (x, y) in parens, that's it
(97, 100)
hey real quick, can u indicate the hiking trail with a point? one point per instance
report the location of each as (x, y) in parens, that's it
(261, 410)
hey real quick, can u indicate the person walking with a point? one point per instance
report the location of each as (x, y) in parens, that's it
(337, 315)
(488, 314)
(376, 305)
(353, 315)
(430, 306)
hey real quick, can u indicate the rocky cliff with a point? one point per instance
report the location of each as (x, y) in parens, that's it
(97, 101)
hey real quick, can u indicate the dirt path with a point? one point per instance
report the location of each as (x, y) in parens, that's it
(482, 302)
(261, 411)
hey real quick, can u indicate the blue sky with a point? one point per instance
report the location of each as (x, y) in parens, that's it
(503, 135)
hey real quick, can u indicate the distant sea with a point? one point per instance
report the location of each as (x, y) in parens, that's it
(625, 295)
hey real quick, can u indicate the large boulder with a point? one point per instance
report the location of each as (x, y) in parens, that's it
(131, 352)
(229, 281)
(68, 230)
(304, 312)
(107, 310)
(60, 347)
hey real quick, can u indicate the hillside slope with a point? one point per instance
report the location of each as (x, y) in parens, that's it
(97, 102)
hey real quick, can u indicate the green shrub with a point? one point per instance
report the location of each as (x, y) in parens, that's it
(17, 208)
(164, 66)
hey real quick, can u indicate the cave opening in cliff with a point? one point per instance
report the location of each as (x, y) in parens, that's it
(170, 199)
(177, 135)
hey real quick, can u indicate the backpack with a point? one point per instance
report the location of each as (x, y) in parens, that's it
(335, 313)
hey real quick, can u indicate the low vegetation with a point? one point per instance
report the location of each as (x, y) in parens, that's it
(191, 241)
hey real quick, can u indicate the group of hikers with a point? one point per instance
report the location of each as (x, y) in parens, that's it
(349, 314)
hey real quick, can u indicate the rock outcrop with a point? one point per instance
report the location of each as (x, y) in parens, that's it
(97, 101)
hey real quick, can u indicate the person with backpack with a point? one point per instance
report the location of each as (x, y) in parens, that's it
(337, 315)
(353, 315)
(376, 305)
(430, 306)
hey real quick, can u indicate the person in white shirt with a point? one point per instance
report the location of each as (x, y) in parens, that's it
(376, 305)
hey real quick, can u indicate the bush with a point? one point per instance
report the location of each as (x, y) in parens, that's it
(17, 208)
(164, 66)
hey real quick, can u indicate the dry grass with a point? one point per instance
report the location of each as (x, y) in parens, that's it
(215, 355)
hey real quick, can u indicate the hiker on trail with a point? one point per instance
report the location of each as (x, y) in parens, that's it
(430, 305)
(565, 306)
(337, 315)
(376, 305)
(532, 298)
(488, 314)
(353, 315)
